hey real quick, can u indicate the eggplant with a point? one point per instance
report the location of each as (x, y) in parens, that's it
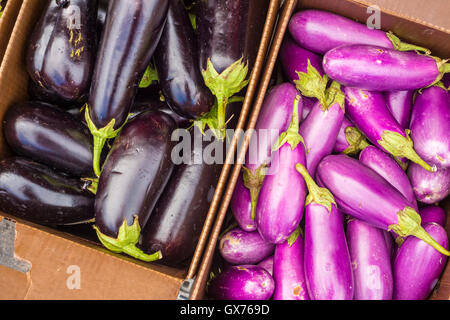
(35, 192)
(368, 111)
(417, 267)
(288, 269)
(102, 10)
(328, 269)
(400, 105)
(51, 136)
(157, 104)
(267, 264)
(281, 200)
(429, 187)
(363, 194)
(177, 64)
(376, 68)
(383, 164)
(62, 49)
(371, 261)
(433, 213)
(241, 206)
(320, 31)
(246, 282)
(430, 126)
(129, 39)
(135, 173)
(350, 139)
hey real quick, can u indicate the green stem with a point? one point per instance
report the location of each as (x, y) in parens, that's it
(99, 143)
(291, 135)
(403, 46)
(356, 141)
(93, 186)
(253, 182)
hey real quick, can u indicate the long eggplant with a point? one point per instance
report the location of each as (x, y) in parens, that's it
(176, 60)
(51, 136)
(35, 192)
(129, 39)
(433, 213)
(400, 105)
(241, 206)
(363, 194)
(135, 173)
(62, 49)
(429, 187)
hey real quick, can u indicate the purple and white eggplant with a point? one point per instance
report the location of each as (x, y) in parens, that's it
(429, 187)
(400, 105)
(433, 213)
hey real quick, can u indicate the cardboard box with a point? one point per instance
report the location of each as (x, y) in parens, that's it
(412, 20)
(7, 22)
(37, 262)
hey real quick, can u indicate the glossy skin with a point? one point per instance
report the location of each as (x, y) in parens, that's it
(35, 192)
(327, 260)
(433, 213)
(417, 266)
(101, 15)
(320, 130)
(321, 31)
(267, 264)
(371, 261)
(50, 136)
(288, 271)
(129, 39)
(240, 247)
(241, 206)
(177, 220)
(429, 187)
(247, 282)
(176, 59)
(383, 164)
(61, 55)
(400, 104)
(157, 104)
(135, 172)
(376, 68)
(430, 126)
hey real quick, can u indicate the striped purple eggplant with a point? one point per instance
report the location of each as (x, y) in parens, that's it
(371, 261)
(350, 139)
(363, 194)
(430, 126)
(400, 105)
(433, 213)
(417, 267)
(429, 187)
(328, 267)
(288, 269)
(368, 111)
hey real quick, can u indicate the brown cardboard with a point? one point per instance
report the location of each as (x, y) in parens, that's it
(409, 19)
(7, 23)
(50, 260)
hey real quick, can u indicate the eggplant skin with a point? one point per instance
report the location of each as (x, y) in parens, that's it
(62, 49)
(51, 136)
(35, 192)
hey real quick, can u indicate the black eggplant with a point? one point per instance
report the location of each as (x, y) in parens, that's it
(51, 136)
(157, 104)
(131, 33)
(62, 49)
(101, 15)
(135, 173)
(176, 60)
(35, 192)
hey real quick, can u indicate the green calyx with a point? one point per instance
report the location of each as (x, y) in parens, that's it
(294, 236)
(409, 224)
(93, 184)
(402, 147)
(316, 194)
(253, 182)
(150, 75)
(126, 241)
(403, 46)
(356, 141)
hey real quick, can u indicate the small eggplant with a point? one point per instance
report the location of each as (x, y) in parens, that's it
(363, 194)
(35, 192)
(417, 267)
(51, 136)
(429, 187)
(134, 175)
(433, 213)
(62, 49)
(267, 264)
(400, 105)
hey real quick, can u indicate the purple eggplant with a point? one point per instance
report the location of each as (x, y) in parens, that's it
(240, 247)
(371, 261)
(288, 269)
(129, 39)
(135, 173)
(368, 111)
(49, 135)
(176, 60)
(417, 267)
(241, 206)
(446, 81)
(267, 264)
(308, 104)
(282, 196)
(62, 49)
(101, 15)
(157, 104)
(400, 104)
(430, 126)
(328, 268)
(350, 139)
(321, 31)
(376, 68)
(429, 187)
(246, 282)
(363, 194)
(383, 164)
(37, 193)
(433, 213)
